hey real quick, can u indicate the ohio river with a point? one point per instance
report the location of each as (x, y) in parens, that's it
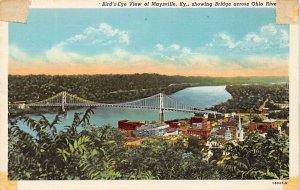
(201, 97)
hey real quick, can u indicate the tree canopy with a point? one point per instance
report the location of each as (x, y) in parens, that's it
(84, 151)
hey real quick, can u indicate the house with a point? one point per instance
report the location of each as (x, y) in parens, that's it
(262, 127)
(203, 133)
(282, 105)
(176, 123)
(198, 122)
(129, 126)
(228, 135)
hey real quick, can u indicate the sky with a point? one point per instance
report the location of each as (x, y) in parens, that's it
(190, 42)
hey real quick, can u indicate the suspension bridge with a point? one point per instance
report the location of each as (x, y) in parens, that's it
(160, 102)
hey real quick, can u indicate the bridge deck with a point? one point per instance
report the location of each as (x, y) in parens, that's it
(159, 102)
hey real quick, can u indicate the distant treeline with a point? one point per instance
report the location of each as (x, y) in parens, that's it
(246, 98)
(114, 88)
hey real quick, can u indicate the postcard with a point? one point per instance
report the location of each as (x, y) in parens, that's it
(150, 94)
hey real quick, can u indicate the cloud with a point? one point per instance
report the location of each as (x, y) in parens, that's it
(275, 35)
(17, 53)
(172, 52)
(172, 58)
(105, 34)
(121, 61)
(57, 54)
(223, 39)
(269, 28)
(269, 37)
(252, 37)
(102, 35)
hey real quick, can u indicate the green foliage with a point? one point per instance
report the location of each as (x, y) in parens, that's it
(99, 153)
(251, 97)
(217, 155)
(113, 88)
(194, 145)
(258, 158)
(282, 114)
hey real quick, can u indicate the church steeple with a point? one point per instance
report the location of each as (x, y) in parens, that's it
(240, 131)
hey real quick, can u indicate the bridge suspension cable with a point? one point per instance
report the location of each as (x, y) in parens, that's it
(159, 102)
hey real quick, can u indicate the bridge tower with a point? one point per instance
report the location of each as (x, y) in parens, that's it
(161, 107)
(63, 101)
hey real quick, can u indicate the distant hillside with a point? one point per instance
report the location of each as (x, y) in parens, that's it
(252, 97)
(115, 88)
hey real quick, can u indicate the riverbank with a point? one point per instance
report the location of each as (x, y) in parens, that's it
(115, 88)
(250, 98)
(15, 112)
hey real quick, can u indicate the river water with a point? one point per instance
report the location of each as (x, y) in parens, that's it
(201, 97)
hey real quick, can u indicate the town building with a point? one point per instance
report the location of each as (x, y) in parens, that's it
(184, 132)
(171, 133)
(199, 122)
(282, 105)
(228, 135)
(225, 129)
(211, 144)
(230, 115)
(230, 124)
(129, 127)
(152, 130)
(222, 133)
(205, 116)
(201, 132)
(262, 127)
(176, 123)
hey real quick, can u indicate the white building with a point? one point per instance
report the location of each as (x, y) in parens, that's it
(240, 131)
(228, 135)
(205, 116)
(211, 144)
(227, 115)
(151, 130)
(197, 125)
(21, 106)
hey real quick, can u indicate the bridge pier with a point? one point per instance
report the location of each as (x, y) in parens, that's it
(161, 106)
(161, 116)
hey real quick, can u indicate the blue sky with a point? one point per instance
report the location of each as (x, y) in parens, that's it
(178, 39)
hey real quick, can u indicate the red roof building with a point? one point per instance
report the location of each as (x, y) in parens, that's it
(184, 132)
(203, 133)
(263, 127)
(229, 124)
(176, 123)
(198, 122)
(129, 125)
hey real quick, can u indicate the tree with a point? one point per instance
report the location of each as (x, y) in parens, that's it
(194, 145)
(64, 155)
(257, 158)
(85, 151)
